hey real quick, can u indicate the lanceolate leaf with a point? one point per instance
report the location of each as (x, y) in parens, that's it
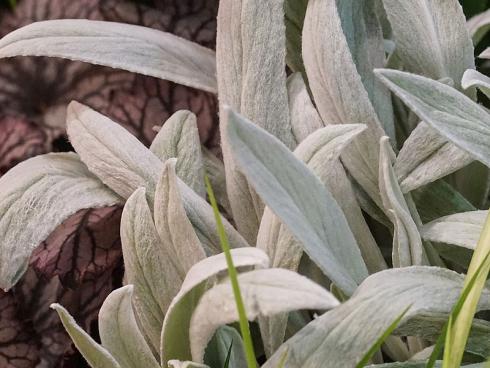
(120, 333)
(251, 51)
(37, 196)
(175, 331)
(407, 244)
(299, 199)
(462, 229)
(431, 38)
(320, 152)
(124, 164)
(174, 228)
(472, 78)
(95, 354)
(179, 138)
(337, 58)
(452, 114)
(145, 259)
(304, 117)
(478, 26)
(423, 158)
(154, 53)
(335, 340)
(265, 293)
(111, 152)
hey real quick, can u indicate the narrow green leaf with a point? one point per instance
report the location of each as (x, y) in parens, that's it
(377, 345)
(475, 282)
(244, 326)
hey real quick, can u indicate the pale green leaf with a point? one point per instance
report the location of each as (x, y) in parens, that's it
(125, 164)
(120, 333)
(179, 138)
(36, 196)
(186, 364)
(461, 229)
(451, 113)
(149, 266)
(172, 224)
(408, 249)
(95, 355)
(320, 152)
(299, 199)
(215, 171)
(304, 117)
(342, 43)
(265, 293)
(431, 38)
(251, 52)
(423, 158)
(175, 331)
(335, 339)
(472, 78)
(111, 152)
(136, 49)
(478, 26)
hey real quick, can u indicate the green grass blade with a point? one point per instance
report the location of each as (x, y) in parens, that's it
(466, 305)
(244, 326)
(12, 3)
(228, 356)
(377, 345)
(442, 339)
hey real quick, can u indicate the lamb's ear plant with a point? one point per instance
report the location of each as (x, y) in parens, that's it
(327, 179)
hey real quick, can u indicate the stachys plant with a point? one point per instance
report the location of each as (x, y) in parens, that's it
(327, 176)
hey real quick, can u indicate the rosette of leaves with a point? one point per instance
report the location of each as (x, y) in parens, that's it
(324, 171)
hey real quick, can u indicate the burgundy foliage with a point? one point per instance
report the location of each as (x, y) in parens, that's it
(80, 263)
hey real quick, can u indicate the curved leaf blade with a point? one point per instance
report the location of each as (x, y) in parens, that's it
(35, 197)
(154, 53)
(299, 199)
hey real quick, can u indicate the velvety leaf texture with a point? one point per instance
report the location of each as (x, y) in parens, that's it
(81, 259)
